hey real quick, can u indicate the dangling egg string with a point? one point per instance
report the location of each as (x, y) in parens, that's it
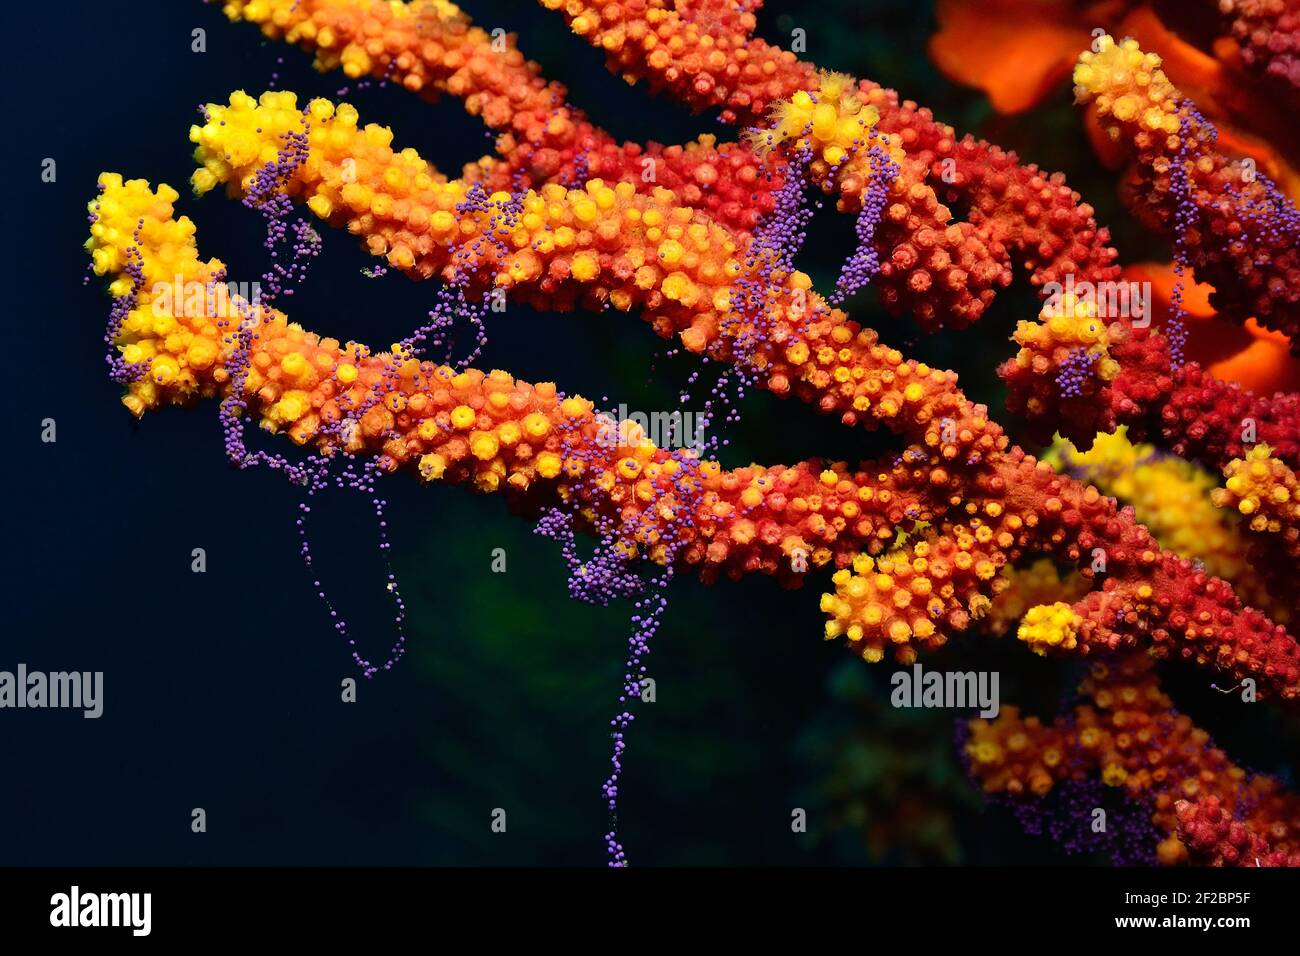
(119, 370)
(1185, 214)
(606, 576)
(861, 267)
(267, 196)
(609, 573)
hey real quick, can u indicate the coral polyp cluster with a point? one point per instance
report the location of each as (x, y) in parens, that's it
(563, 242)
(1268, 32)
(893, 601)
(959, 529)
(488, 430)
(1179, 503)
(1265, 491)
(1126, 735)
(434, 49)
(1238, 231)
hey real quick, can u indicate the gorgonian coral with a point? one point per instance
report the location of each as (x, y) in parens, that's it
(1176, 500)
(700, 239)
(1037, 218)
(1126, 735)
(611, 244)
(1236, 229)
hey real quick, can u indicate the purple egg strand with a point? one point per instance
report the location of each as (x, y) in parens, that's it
(1272, 222)
(862, 266)
(279, 62)
(1185, 217)
(776, 241)
(1275, 220)
(610, 573)
(267, 195)
(119, 370)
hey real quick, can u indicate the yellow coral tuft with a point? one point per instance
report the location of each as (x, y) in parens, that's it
(1051, 626)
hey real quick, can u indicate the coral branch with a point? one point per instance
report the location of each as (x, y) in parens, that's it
(701, 240)
(1268, 32)
(695, 280)
(431, 47)
(1239, 232)
(1030, 213)
(489, 431)
(1127, 736)
(1198, 415)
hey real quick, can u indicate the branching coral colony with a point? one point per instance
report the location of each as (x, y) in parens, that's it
(699, 239)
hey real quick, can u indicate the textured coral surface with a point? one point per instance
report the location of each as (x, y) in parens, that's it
(1105, 551)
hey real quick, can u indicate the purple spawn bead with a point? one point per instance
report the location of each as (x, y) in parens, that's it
(862, 266)
(1075, 372)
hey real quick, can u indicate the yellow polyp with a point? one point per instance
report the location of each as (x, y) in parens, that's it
(164, 369)
(585, 267)
(201, 353)
(484, 445)
(509, 434)
(671, 252)
(1050, 626)
(574, 407)
(536, 424)
(289, 408)
(135, 404)
(202, 180)
(294, 365)
(677, 286)
(462, 417)
(548, 464)
(401, 257)
(1113, 775)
